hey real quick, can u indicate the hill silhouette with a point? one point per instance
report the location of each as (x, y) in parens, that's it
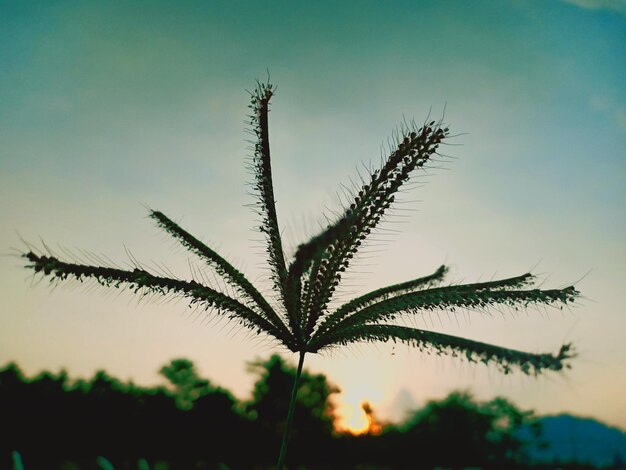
(576, 439)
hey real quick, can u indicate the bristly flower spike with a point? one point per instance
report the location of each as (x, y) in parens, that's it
(301, 319)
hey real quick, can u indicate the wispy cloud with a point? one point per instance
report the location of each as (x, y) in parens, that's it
(615, 5)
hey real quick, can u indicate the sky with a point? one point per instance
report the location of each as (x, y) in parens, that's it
(112, 107)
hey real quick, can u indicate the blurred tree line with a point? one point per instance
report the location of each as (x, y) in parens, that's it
(58, 423)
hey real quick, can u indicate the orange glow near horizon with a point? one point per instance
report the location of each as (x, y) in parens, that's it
(357, 419)
(351, 419)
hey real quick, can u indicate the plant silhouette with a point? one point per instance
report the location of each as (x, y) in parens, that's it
(302, 319)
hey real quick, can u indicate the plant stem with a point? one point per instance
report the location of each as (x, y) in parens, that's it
(290, 413)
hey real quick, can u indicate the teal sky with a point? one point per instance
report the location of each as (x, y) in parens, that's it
(108, 106)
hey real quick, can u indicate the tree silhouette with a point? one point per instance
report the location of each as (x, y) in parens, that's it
(188, 385)
(454, 432)
(302, 319)
(270, 401)
(481, 434)
(52, 419)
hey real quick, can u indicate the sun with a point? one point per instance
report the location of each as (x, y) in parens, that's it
(352, 420)
(357, 418)
(360, 422)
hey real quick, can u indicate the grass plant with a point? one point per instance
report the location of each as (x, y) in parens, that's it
(303, 319)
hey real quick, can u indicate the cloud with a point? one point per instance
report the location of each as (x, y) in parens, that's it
(615, 5)
(401, 406)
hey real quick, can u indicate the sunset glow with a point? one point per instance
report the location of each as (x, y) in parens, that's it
(363, 421)
(352, 404)
(352, 419)
(108, 106)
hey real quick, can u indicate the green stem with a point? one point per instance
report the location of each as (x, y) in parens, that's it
(290, 413)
